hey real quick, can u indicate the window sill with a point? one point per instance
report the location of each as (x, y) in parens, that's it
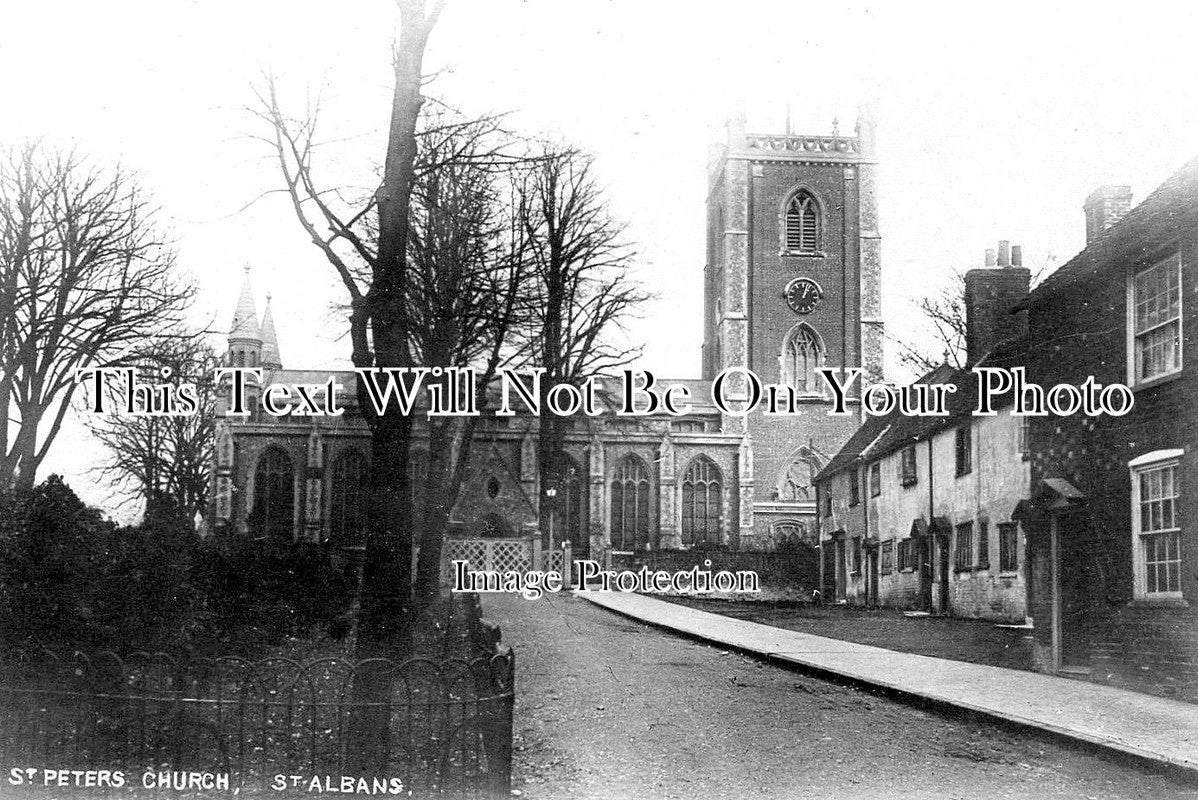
(1009, 573)
(966, 472)
(907, 570)
(1156, 380)
(803, 253)
(907, 484)
(960, 570)
(1158, 602)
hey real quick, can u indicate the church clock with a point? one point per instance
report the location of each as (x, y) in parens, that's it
(802, 295)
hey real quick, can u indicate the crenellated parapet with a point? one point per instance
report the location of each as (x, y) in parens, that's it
(802, 145)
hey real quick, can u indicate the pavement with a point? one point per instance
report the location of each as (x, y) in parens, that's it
(1146, 728)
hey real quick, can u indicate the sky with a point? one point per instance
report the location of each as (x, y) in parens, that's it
(995, 121)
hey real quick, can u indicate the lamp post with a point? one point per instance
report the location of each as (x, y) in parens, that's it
(551, 493)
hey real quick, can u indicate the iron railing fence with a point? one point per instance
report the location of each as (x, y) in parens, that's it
(441, 726)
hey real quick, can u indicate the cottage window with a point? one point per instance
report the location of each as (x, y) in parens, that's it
(1155, 307)
(908, 466)
(906, 555)
(802, 224)
(964, 553)
(887, 557)
(854, 487)
(1156, 528)
(964, 449)
(983, 560)
(702, 498)
(631, 508)
(856, 555)
(1008, 547)
(875, 479)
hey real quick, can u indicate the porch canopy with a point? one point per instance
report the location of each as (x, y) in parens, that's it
(920, 528)
(1049, 496)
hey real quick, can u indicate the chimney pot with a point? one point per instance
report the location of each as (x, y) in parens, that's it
(1105, 206)
(1004, 253)
(1016, 255)
(991, 257)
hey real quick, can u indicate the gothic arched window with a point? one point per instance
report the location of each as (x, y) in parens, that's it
(632, 517)
(348, 499)
(273, 516)
(802, 223)
(802, 353)
(702, 502)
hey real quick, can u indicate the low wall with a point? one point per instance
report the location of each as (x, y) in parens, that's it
(790, 572)
(1152, 650)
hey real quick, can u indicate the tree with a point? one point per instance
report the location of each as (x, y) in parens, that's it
(945, 311)
(378, 319)
(465, 298)
(163, 459)
(85, 274)
(581, 289)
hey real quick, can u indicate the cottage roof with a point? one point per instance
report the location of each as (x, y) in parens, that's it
(882, 435)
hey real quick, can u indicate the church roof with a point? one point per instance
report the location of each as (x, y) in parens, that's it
(245, 317)
(270, 339)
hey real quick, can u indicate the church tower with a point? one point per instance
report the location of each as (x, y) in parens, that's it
(792, 284)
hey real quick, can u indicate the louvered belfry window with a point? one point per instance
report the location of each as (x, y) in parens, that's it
(802, 224)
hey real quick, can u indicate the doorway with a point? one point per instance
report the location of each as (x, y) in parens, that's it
(923, 557)
(841, 572)
(1076, 589)
(944, 606)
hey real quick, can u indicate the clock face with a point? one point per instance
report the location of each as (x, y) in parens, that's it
(802, 295)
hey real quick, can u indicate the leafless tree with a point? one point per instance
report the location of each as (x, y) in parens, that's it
(85, 274)
(375, 274)
(162, 459)
(582, 289)
(465, 298)
(945, 311)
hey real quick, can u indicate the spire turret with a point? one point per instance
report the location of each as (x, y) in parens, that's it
(245, 337)
(270, 340)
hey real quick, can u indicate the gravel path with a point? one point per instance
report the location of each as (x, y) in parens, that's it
(611, 708)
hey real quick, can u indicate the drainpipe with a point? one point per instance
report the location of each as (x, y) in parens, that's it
(932, 560)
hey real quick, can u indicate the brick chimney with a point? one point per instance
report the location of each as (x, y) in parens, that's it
(990, 292)
(1105, 206)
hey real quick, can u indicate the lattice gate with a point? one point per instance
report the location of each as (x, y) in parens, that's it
(501, 555)
(504, 555)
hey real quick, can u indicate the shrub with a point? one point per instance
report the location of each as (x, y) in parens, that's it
(70, 579)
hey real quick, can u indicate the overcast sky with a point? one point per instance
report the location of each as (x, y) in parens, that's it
(992, 123)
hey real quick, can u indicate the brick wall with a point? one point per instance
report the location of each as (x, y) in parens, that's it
(1081, 332)
(1147, 649)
